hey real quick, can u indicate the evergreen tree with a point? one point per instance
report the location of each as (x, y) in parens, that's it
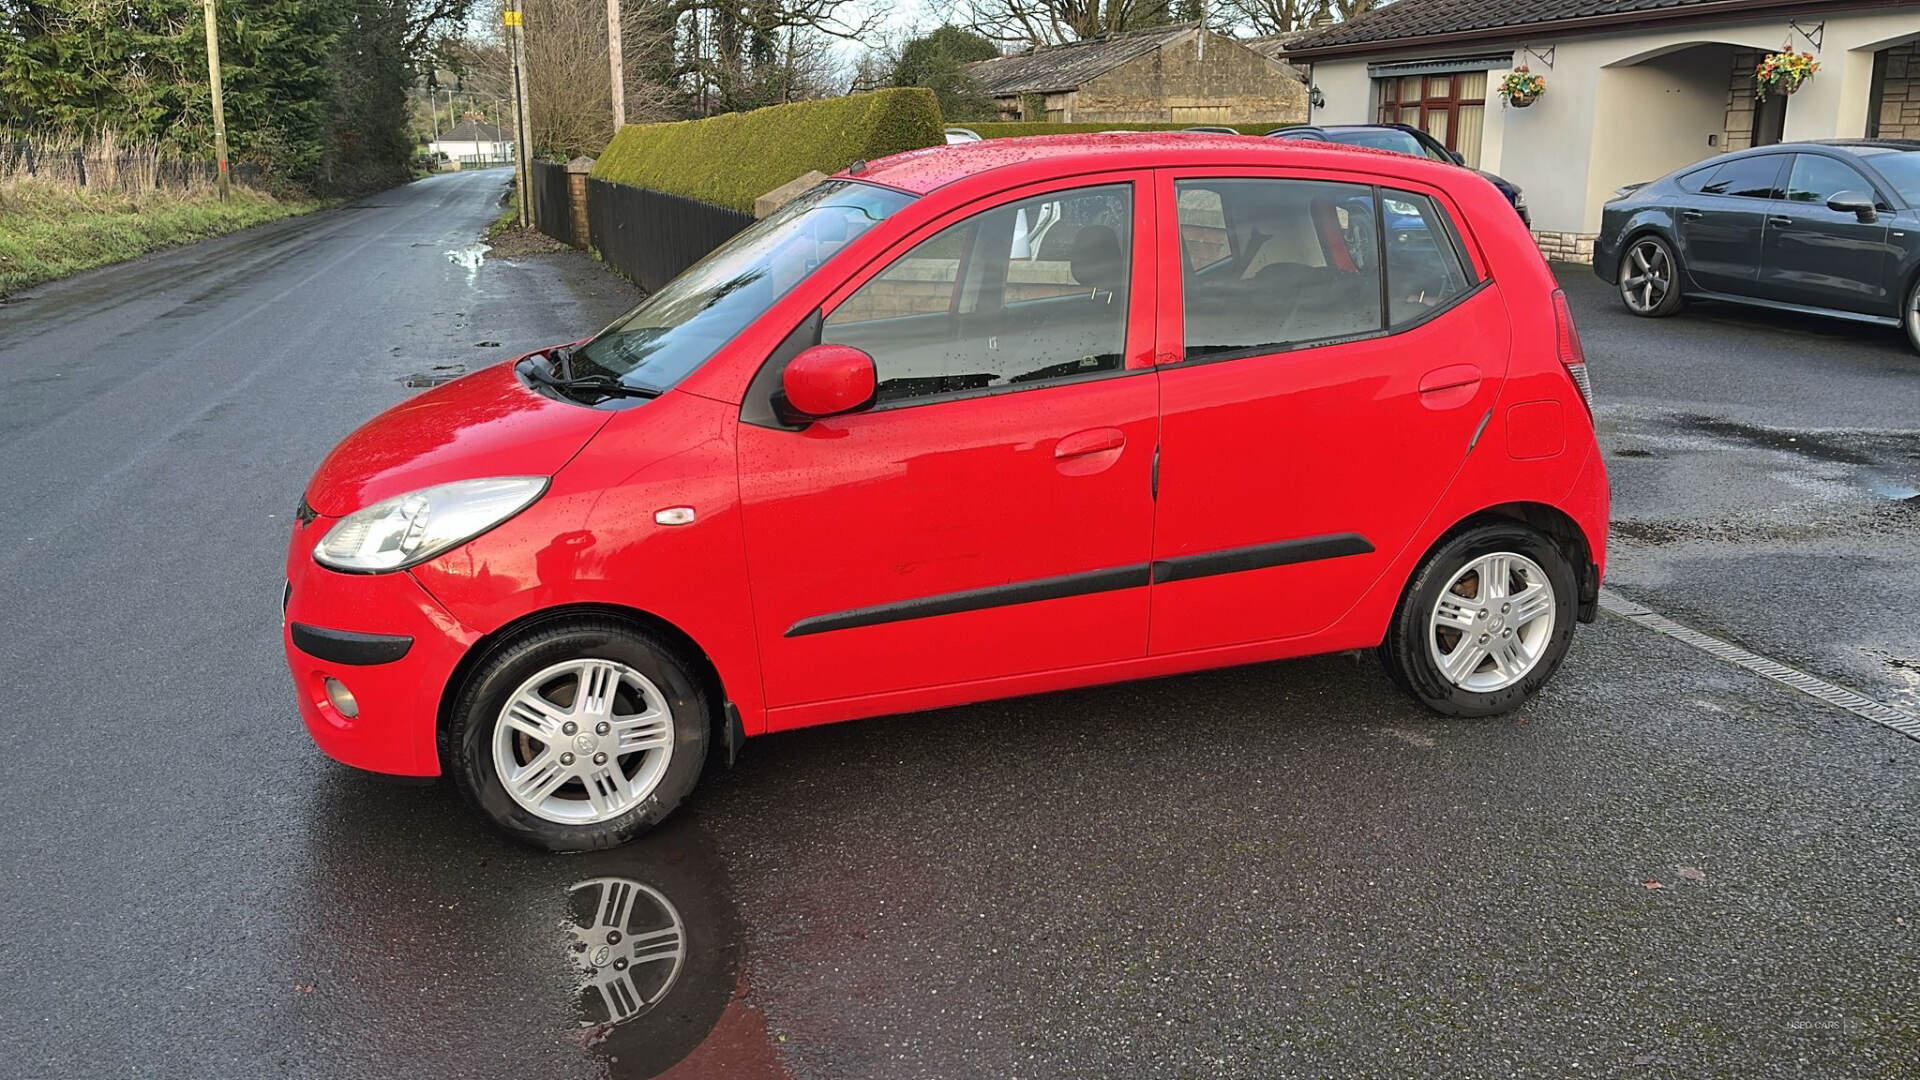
(938, 62)
(315, 90)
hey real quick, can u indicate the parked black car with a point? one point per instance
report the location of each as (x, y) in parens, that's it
(1828, 228)
(1401, 139)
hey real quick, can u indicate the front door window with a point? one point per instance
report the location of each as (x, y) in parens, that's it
(1025, 293)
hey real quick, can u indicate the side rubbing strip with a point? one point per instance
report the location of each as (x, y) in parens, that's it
(1021, 592)
(1259, 557)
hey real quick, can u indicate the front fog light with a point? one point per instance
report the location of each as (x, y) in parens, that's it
(342, 699)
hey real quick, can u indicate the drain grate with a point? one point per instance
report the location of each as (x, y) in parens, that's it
(1858, 704)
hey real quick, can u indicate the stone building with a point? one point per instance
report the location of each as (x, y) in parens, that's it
(1167, 74)
(1634, 88)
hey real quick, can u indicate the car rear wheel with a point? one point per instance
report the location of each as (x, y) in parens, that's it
(1484, 623)
(1650, 278)
(578, 735)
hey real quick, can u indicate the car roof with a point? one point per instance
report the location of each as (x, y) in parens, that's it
(922, 171)
(1817, 144)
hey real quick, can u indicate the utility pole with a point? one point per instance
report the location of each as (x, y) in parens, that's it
(517, 43)
(219, 107)
(618, 69)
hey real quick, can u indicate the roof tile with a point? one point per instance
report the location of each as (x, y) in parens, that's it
(1420, 18)
(1054, 68)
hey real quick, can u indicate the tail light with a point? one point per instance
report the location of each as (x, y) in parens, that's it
(1567, 343)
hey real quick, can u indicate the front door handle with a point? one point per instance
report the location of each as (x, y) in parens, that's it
(1691, 215)
(1092, 441)
(1780, 220)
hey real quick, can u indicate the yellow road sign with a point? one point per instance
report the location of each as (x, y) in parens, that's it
(510, 18)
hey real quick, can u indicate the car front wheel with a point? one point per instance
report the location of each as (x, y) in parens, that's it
(1484, 623)
(578, 735)
(1650, 277)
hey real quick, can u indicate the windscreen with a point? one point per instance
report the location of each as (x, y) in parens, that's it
(1901, 169)
(1379, 139)
(680, 327)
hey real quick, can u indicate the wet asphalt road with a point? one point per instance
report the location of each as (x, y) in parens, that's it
(1271, 871)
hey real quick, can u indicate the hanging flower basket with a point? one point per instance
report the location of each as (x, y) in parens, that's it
(1782, 73)
(1521, 87)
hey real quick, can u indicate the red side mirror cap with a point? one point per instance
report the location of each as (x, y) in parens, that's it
(828, 380)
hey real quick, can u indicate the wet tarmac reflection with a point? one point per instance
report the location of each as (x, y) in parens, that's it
(436, 940)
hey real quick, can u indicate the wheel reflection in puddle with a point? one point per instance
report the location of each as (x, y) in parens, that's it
(628, 943)
(652, 937)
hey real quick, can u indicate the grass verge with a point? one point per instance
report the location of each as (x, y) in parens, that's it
(48, 232)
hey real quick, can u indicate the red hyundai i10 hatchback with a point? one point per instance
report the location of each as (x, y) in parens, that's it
(966, 423)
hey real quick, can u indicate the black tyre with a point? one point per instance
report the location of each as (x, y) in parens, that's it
(1484, 623)
(1650, 277)
(1910, 313)
(578, 735)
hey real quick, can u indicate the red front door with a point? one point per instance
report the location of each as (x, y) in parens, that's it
(1315, 409)
(992, 514)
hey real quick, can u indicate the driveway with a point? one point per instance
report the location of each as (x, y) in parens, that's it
(1665, 866)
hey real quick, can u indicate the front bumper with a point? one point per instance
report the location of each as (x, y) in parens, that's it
(393, 647)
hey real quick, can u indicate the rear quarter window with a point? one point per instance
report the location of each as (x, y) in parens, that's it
(1424, 269)
(1692, 182)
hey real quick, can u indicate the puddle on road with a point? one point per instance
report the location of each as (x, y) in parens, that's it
(1723, 481)
(653, 940)
(434, 376)
(471, 257)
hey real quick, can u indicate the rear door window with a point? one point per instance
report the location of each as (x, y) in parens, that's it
(1297, 264)
(1748, 178)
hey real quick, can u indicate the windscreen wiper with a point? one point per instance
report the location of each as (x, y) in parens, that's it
(603, 385)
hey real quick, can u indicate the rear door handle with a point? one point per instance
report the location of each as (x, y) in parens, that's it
(1779, 219)
(1091, 441)
(1691, 215)
(1449, 377)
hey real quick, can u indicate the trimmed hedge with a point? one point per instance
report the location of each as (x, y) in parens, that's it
(1008, 129)
(733, 159)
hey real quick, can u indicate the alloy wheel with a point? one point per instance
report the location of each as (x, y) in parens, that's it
(1492, 623)
(583, 741)
(1649, 276)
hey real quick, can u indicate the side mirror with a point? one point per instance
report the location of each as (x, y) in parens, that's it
(1457, 156)
(1858, 203)
(823, 381)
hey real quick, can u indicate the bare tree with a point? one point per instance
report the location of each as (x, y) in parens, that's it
(1051, 22)
(1268, 16)
(1286, 16)
(567, 90)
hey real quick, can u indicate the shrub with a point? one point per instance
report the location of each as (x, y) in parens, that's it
(732, 159)
(1014, 128)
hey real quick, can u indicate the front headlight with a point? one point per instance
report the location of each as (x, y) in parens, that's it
(414, 527)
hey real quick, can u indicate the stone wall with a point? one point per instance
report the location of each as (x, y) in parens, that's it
(1900, 94)
(1191, 80)
(1565, 246)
